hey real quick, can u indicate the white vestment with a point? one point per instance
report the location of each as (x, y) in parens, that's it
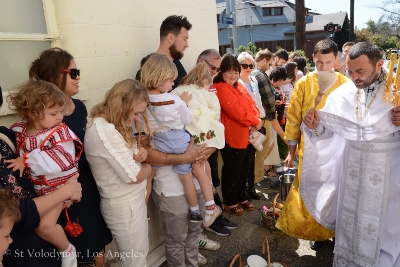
(351, 177)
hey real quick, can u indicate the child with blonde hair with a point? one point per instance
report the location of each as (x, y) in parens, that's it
(116, 161)
(49, 151)
(9, 214)
(168, 115)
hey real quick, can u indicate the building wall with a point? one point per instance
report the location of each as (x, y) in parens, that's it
(109, 38)
(257, 33)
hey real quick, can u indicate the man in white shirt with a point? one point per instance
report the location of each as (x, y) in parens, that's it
(181, 236)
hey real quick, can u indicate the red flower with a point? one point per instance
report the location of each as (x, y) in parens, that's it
(208, 135)
(74, 229)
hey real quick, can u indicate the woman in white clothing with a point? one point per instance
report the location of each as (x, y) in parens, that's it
(115, 160)
(247, 65)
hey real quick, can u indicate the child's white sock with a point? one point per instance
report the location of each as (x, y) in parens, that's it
(210, 206)
(68, 257)
(195, 209)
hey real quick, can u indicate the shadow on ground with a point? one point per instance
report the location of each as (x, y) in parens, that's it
(247, 240)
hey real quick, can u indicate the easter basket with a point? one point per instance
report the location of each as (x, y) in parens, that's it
(258, 261)
(271, 215)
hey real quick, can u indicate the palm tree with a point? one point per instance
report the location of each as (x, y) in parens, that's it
(300, 25)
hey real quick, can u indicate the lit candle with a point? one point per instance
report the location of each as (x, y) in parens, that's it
(396, 89)
(391, 69)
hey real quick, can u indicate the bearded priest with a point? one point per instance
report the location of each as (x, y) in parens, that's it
(350, 176)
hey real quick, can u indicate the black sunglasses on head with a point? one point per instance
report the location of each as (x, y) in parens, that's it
(212, 67)
(245, 66)
(72, 72)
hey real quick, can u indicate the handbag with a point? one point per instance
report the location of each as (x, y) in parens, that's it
(256, 139)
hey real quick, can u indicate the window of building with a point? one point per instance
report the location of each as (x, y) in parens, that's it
(273, 45)
(278, 11)
(27, 28)
(223, 49)
(266, 11)
(272, 11)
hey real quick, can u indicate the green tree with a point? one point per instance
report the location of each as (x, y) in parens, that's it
(250, 47)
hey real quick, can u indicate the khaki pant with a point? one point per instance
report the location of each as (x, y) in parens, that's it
(261, 155)
(181, 235)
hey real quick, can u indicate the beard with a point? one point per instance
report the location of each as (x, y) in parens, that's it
(366, 83)
(175, 54)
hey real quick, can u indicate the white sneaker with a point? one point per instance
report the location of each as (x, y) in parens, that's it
(202, 259)
(68, 259)
(206, 243)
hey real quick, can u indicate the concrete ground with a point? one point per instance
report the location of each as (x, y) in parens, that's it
(247, 240)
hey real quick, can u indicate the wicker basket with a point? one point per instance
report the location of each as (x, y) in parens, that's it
(267, 220)
(264, 253)
(240, 263)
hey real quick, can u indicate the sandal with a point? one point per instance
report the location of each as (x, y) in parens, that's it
(235, 210)
(247, 205)
(270, 172)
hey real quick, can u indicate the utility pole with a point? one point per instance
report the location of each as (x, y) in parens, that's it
(231, 12)
(300, 31)
(352, 21)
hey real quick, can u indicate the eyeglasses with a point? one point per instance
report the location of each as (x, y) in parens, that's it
(72, 72)
(212, 67)
(245, 66)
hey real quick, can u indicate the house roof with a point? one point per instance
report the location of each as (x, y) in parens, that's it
(317, 22)
(250, 12)
(221, 7)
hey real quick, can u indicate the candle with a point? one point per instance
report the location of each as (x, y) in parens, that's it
(396, 89)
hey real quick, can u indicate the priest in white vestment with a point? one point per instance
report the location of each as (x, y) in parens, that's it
(351, 168)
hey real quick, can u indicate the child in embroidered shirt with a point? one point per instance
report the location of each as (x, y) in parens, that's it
(9, 214)
(49, 151)
(168, 115)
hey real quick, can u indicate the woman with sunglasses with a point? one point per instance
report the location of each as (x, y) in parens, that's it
(58, 66)
(238, 114)
(247, 64)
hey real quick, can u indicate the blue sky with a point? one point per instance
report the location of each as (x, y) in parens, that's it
(362, 9)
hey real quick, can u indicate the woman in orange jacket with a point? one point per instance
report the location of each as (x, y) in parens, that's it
(239, 115)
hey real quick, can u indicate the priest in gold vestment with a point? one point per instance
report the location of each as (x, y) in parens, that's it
(295, 219)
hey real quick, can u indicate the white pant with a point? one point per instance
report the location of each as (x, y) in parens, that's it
(127, 220)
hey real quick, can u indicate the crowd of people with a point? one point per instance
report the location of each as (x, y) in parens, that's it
(159, 136)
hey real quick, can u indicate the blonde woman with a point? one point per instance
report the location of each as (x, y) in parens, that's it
(116, 162)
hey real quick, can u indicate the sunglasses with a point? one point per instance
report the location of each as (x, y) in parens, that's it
(212, 67)
(245, 66)
(72, 72)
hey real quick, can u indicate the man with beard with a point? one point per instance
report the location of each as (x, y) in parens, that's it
(174, 35)
(350, 167)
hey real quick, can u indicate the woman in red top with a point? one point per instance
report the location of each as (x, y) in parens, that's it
(238, 114)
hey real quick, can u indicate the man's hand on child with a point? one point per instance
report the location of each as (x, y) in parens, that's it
(204, 153)
(16, 164)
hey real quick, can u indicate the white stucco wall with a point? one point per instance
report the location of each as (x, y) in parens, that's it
(109, 38)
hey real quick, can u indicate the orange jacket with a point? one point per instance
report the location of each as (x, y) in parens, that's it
(238, 113)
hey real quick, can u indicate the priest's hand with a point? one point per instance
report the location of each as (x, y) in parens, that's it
(311, 119)
(396, 116)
